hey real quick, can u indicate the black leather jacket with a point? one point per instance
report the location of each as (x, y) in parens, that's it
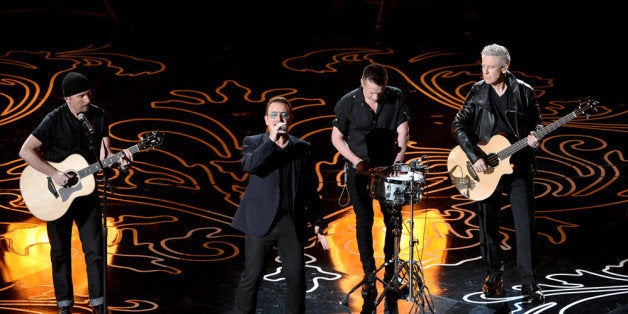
(474, 123)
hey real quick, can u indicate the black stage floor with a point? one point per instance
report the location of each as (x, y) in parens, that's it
(202, 77)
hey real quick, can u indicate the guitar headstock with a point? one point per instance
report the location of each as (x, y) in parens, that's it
(587, 104)
(150, 140)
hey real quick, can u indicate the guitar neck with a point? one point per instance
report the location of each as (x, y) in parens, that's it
(522, 143)
(96, 167)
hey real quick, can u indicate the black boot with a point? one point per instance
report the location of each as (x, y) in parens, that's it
(532, 293)
(369, 294)
(98, 309)
(65, 310)
(493, 286)
(390, 305)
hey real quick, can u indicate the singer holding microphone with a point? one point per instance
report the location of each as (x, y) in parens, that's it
(75, 127)
(280, 198)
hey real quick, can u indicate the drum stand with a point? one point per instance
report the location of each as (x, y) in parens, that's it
(411, 270)
(407, 280)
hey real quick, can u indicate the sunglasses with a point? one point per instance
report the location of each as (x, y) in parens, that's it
(275, 114)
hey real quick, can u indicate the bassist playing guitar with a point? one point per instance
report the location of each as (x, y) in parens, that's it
(501, 105)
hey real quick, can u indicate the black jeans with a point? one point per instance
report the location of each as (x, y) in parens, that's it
(85, 211)
(258, 250)
(521, 195)
(359, 192)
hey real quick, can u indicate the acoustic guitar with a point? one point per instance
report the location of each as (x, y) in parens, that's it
(48, 201)
(478, 186)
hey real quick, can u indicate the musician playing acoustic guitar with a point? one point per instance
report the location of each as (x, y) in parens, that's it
(502, 104)
(76, 127)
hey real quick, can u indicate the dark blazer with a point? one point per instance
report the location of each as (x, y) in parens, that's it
(262, 159)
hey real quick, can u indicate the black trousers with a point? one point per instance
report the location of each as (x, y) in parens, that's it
(519, 191)
(358, 186)
(85, 211)
(258, 251)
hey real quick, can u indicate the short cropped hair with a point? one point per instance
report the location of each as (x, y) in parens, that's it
(499, 51)
(375, 73)
(278, 99)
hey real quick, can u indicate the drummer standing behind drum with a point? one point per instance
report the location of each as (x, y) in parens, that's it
(371, 130)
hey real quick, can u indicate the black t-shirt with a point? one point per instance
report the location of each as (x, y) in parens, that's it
(62, 134)
(372, 136)
(499, 104)
(285, 179)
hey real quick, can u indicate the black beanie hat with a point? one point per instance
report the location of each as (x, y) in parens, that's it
(74, 83)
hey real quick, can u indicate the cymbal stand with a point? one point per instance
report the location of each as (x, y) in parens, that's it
(416, 284)
(395, 284)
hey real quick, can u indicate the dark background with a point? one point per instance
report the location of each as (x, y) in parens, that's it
(578, 43)
(204, 43)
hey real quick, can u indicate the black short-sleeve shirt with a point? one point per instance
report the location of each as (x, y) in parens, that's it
(372, 136)
(62, 134)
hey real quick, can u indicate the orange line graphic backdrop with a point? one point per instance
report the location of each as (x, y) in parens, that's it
(177, 202)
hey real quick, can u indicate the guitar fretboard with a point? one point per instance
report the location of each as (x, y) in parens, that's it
(95, 167)
(520, 144)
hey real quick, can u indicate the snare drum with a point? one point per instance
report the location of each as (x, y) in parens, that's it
(398, 189)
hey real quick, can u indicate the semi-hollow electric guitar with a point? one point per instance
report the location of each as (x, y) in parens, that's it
(48, 201)
(478, 186)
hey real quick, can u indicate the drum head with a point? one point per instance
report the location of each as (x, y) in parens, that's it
(407, 177)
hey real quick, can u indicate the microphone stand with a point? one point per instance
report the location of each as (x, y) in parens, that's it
(106, 184)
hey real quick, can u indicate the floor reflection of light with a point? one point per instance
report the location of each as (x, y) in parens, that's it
(28, 251)
(430, 230)
(27, 257)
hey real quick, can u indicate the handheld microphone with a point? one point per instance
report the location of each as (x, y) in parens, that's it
(86, 124)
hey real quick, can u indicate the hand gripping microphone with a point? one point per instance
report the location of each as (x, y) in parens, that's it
(86, 124)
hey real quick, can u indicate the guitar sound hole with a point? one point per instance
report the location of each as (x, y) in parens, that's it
(73, 178)
(493, 160)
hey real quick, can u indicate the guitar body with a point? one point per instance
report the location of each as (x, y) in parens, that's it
(49, 201)
(478, 186)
